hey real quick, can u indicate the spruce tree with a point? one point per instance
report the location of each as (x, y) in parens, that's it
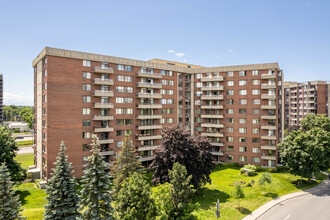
(126, 163)
(10, 205)
(96, 187)
(63, 201)
(134, 200)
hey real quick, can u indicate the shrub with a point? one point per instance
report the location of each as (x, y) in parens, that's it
(237, 164)
(242, 170)
(251, 173)
(250, 167)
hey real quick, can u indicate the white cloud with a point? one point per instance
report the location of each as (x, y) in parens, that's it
(230, 51)
(171, 51)
(17, 99)
(180, 54)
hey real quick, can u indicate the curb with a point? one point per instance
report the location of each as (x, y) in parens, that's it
(258, 213)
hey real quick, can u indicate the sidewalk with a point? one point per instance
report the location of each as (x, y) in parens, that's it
(266, 207)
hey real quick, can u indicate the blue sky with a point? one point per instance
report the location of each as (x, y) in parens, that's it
(210, 33)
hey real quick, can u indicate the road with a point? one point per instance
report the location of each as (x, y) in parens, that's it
(314, 205)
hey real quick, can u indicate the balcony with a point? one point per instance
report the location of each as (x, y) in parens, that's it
(268, 96)
(217, 153)
(103, 105)
(149, 95)
(149, 75)
(268, 86)
(147, 147)
(100, 81)
(107, 93)
(149, 127)
(211, 88)
(212, 79)
(268, 127)
(212, 106)
(212, 134)
(268, 137)
(149, 85)
(106, 141)
(150, 105)
(105, 129)
(145, 158)
(211, 97)
(106, 153)
(211, 116)
(211, 125)
(149, 117)
(102, 69)
(216, 144)
(268, 76)
(103, 117)
(267, 147)
(268, 157)
(268, 106)
(143, 137)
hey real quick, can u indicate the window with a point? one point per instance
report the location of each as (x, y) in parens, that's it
(121, 78)
(242, 149)
(256, 159)
(123, 132)
(124, 100)
(242, 120)
(230, 148)
(255, 121)
(255, 111)
(255, 140)
(255, 130)
(230, 74)
(242, 101)
(199, 75)
(86, 99)
(198, 102)
(256, 82)
(230, 111)
(230, 101)
(255, 92)
(86, 111)
(242, 92)
(198, 85)
(229, 120)
(255, 150)
(242, 140)
(86, 123)
(198, 93)
(242, 130)
(230, 130)
(229, 139)
(230, 83)
(230, 92)
(242, 111)
(242, 82)
(242, 73)
(86, 135)
(170, 82)
(124, 89)
(242, 158)
(124, 67)
(86, 75)
(256, 101)
(86, 147)
(124, 111)
(86, 87)
(255, 72)
(167, 111)
(87, 63)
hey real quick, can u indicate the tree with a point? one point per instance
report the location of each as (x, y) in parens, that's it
(134, 200)
(62, 196)
(126, 163)
(316, 121)
(26, 114)
(10, 207)
(8, 150)
(238, 192)
(179, 146)
(306, 153)
(95, 199)
(265, 178)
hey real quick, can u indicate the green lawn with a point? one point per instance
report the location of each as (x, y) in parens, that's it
(32, 200)
(223, 177)
(26, 160)
(25, 143)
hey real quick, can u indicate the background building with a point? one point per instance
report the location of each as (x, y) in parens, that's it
(304, 98)
(1, 98)
(77, 94)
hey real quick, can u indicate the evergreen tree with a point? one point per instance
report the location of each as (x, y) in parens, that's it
(10, 204)
(96, 187)
(134, 200)
(180, 146)
(238, 192)
(61, 189)
(127, 163)
(8, 148)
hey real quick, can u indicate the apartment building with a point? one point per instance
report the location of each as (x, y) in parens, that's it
(77, 94)
(304, 98)
(1, 98)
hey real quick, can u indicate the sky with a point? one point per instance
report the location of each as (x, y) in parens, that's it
(294, 33)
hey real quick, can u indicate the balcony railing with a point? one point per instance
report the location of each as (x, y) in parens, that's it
(103, 69)
(149, 84)
(103, 93)
(102, 81)
(103, 105)
(148, 74)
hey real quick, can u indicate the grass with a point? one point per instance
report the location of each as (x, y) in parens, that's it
(32, 199)
(223, 178)
(25, 143)
(26, 160)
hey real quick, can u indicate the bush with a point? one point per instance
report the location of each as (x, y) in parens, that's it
(251, 173)
(242, 170)
(282, 169)
(248, 185)
(237, 164)
(250, 167)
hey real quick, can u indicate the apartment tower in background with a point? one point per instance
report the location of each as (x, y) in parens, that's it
(304, 98)
(77, 94)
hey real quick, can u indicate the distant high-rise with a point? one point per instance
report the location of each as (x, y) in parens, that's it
(1, 99)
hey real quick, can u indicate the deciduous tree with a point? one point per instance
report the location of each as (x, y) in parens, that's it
(265, 178)
(238, 192)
